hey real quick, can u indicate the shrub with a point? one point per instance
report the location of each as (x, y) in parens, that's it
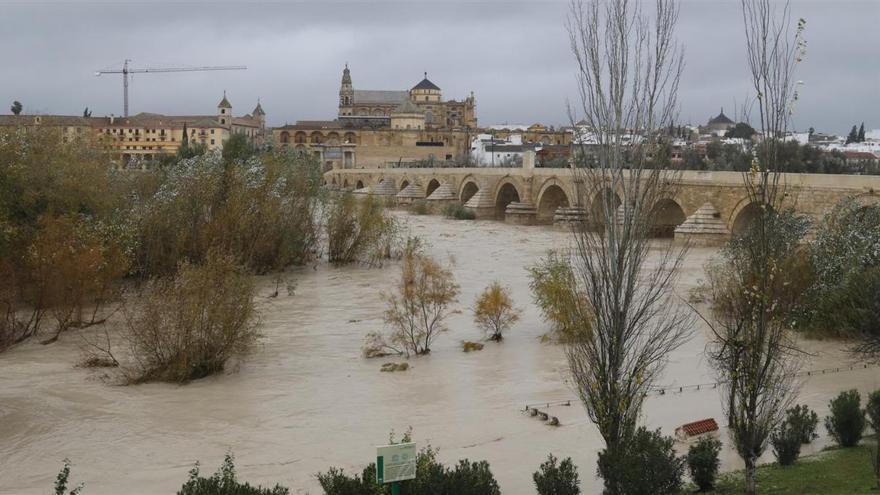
(420, 303)
(803, 420)
(62, 480)
(645, 464)
(703, 462)
(557, 478)
(786, 442)
(188, 326)
(456, 211)
(391, 367)
(359, 230)
(419, 207)
(467, 346)
(494, 312)
(847, 420)
(224, 482)
(466, 478)
(336, 482)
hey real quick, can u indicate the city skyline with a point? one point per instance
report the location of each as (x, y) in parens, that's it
(514, 57)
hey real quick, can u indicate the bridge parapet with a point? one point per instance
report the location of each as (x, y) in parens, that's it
(548, 195)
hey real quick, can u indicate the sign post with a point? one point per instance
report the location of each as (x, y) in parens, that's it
(395, 463)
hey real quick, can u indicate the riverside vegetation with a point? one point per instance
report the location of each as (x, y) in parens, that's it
(172, 249)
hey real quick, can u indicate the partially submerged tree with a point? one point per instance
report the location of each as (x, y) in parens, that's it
(555, 291)
(751, 349)
(494, 311)
(629, 67)
(418, 307)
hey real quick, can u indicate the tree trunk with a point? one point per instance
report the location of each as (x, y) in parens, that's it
(751, 475)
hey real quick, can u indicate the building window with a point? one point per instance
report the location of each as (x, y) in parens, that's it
(222, 121)
(212, 131)
(212, 141)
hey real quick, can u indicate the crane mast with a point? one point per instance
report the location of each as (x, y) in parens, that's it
(126, 70)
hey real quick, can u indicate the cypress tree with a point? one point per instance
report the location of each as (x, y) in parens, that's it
(862, 133)
(853, 136)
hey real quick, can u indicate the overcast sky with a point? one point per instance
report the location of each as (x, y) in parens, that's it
(513, 55)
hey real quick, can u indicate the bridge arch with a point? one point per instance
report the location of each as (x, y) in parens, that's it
(359, 185)
(744, 215)
(666, 215)
(345, 183)
(403, 184)
(433, 184)
(469, 187)
(604, 198)
(551, 197)
(505, 193)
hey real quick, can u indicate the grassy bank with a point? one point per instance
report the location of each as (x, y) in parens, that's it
(832, 472)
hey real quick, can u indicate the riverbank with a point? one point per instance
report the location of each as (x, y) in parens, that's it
(830, 472)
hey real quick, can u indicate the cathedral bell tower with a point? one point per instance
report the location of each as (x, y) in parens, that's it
(346, 93)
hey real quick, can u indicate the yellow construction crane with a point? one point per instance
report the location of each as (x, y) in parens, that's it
(126, 70)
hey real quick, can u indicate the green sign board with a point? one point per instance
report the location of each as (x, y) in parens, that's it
(395, 462)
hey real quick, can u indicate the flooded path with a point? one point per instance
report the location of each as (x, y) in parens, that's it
(305, 399)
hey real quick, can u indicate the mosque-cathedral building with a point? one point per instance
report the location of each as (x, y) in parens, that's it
(381, 127)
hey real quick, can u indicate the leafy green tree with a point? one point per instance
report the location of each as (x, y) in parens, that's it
(741, 130)
(557, 478)
(16, 107)
(644, 464)
(703, 462)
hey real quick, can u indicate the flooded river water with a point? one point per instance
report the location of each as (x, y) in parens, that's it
(305, 399)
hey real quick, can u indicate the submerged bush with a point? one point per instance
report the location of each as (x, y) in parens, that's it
(847, 420)
(262, 210)
(224, 482)
(557, 478)
(555, 291)
(189, 325)
(703, 462)
(456, 211)
(494, 312)
(645, 464)
(359, 230)
(419, 207)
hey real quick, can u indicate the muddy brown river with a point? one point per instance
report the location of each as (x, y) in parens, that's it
(305, 399)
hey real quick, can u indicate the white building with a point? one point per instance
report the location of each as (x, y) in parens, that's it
(489, 151)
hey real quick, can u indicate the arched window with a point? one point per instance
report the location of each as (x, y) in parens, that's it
(285, 137)
(429, 117)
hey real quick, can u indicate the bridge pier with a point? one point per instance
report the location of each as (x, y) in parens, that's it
(521, 214)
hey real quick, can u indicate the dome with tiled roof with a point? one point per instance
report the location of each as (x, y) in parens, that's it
(721, 119)
(426, 84)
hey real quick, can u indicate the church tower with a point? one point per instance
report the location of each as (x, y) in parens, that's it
(224, 112)
(346, 93)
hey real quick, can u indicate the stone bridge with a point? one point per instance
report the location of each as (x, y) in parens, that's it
(707, 206)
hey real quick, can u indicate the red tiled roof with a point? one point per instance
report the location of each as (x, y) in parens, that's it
(699, 427)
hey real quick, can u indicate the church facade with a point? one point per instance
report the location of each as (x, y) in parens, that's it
(364, 105)
(386, 128)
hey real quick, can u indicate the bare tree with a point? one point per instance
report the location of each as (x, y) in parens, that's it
(629, 66)
(751, 349)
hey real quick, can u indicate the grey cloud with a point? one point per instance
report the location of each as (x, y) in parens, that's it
(513, 55)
